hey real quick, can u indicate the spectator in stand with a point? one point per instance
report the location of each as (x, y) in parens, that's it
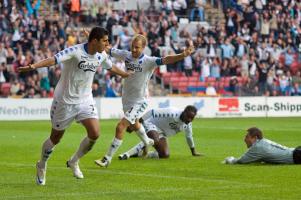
(283, 84)
(234, 86)
(215, 68)
(227, 49)
(199, 9)
(96, 90)
(30, 94)
(205, 69)
(101, 16)
(188, 62)
(289, 58)
(296, 90)
(263, 71)
(155, 50)
(297, 78)
(75, 7)
(259, 31)
(3, 54)
(231, 22)
(248, 88)
(225, 68)
(210, 90)
(4, 74)
(180, 7)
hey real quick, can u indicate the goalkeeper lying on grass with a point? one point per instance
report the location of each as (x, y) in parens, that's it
(264, 150)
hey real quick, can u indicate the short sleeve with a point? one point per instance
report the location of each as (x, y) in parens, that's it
(65, 54)
(152, 62)
(119, 54)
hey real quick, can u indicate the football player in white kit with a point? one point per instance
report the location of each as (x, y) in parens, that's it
(162, 123)
(135, 88)
(73, 96)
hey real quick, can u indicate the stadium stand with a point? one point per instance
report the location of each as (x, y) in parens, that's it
(243, 48)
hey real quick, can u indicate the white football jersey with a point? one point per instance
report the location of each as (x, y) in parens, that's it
(168, 120)
(79, 67)
(135, 87)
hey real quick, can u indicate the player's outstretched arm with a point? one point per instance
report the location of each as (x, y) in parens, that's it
(120, 72)
(86, 33)
(175, 58)
(43, 63)
(230, 160)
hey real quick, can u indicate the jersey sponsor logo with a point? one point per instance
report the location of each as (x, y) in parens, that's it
(228, 105)
(85, 66)
(133, 66)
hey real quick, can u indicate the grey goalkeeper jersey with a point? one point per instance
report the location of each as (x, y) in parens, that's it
(265, 150)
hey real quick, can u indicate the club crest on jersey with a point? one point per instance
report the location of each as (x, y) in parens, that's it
(132, 66)
(87, 66)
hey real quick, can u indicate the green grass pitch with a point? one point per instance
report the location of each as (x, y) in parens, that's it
(179, 177)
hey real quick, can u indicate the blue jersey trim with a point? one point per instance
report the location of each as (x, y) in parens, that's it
(159, 61)
(86, 48)
(141, 56)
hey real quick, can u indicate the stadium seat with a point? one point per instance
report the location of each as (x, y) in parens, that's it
(210, 79)
(183, 78)
(201, 84)
(182, 89)
(193, 79)
(193, 83)
(183, 84)
(196, 74)
(174, 79)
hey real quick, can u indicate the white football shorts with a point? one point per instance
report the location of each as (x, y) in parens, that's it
(149, 126)
(62, 115)
(135, 112)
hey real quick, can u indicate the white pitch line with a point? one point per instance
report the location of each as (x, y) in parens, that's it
(107, 171)
(77, 194)
(243, 128)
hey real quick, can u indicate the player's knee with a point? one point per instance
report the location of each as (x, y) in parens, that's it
(55, 139)
(164, 154)
(94, 135)
(136, 126)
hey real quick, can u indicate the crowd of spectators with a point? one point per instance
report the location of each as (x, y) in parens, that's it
(258, 45)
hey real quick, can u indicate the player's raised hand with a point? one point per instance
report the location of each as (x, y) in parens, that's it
(86, 32)
(190, 49)
(26, 68)
(229, 160)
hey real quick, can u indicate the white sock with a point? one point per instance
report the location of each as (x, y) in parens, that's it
(142, 134)
(153, 154)
(116, 143)
(47, 149)
(84, 147)
(136, 149)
